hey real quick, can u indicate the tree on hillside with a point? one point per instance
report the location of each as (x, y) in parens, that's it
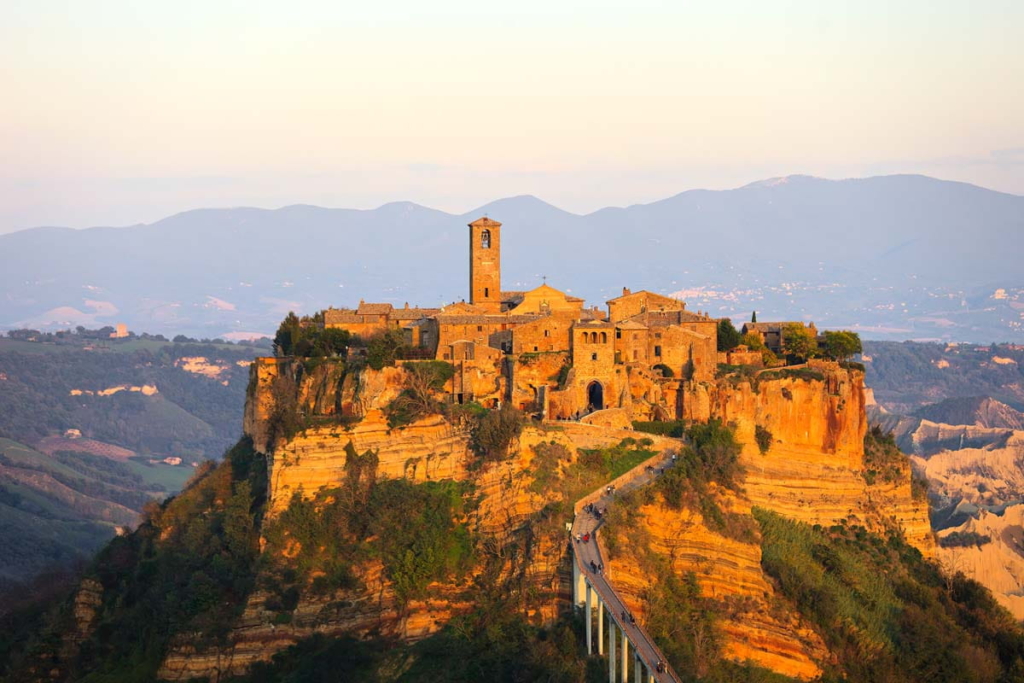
(755, 343)
(798, 341)
(382, 348)
(287, 335)
(841, 344)
(728, 335)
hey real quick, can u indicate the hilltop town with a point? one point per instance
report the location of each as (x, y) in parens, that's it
(548, 354)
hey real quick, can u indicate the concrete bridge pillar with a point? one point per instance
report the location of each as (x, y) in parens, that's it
(578, 581)
(590, 634)
(600, 626)
(625, 657)
(611, 651)
(637, 672)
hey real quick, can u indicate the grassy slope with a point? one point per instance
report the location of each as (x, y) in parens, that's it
(123, 346)
(52, 513)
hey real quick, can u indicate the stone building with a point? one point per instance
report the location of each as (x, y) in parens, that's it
(545, 352)
(773, 334)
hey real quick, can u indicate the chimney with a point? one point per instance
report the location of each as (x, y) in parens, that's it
(625, 291)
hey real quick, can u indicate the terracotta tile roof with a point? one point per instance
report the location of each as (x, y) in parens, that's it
(335, 316)
(666, 318)
(630, 325)
(650, 295)
(512, 297)
(374, 309)
(464, 319)
(413, 313)
(770, 327)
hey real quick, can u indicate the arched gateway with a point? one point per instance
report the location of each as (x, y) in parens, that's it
(595, 395)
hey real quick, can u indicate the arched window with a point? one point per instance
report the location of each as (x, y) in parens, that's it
(485, 239)
(604, 337)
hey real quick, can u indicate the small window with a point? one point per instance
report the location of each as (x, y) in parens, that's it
(479, 328)
(657, 351)
(657, 335)
(485, 239)
(593, 356)
(618, 334)
(535, 349)
(547, 333)
(487, 292)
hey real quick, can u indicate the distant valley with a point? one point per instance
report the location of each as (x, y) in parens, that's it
(957, 411)
(895, 257)
(89, 433)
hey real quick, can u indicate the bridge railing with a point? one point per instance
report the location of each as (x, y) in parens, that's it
(623, 479)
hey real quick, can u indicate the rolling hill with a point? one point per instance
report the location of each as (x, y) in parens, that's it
(896, 257)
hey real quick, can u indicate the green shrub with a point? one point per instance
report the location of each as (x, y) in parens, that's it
(422, 381)
(883, 459)
(764, 438)
(728, 335)
(886, 612)
(964, 539)
(383, 348)
(492, 433)
(308, 338)
(672, 428)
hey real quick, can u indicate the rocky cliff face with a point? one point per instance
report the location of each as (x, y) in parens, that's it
(976, 481)
(812, 471)
(813, 467)
(729, 573)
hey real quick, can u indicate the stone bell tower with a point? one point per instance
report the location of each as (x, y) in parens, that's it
(485, 264)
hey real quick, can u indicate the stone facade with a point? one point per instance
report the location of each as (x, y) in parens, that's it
(544, 352)
(772, 334)
(485, 264)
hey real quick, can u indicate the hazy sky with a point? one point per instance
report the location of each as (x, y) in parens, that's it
(117, 112)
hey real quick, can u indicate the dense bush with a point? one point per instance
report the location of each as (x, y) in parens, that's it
(423, 380)
(188, 568)
(713, 456)
(494, 431)
(886, 612)
(840, 344)
(728, 335)
(418, 531)
(964, 539)
(672, 428)
(308, 338)
(764, 439)
(798, 342)
(883, 460)
(384, 348)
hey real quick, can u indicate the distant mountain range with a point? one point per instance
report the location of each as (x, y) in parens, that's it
(896, 257)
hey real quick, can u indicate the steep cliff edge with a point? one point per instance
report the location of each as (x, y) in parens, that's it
(342, 509)
(812, 470)
(810, 463)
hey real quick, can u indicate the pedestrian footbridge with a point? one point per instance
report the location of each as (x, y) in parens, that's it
(630, 650)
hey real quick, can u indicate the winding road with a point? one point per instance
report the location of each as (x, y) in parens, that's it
(588, 556)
